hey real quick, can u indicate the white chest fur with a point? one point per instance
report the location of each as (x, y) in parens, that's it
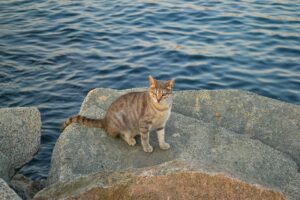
(161, 118)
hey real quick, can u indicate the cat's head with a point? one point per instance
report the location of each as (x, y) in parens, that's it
(161, 91)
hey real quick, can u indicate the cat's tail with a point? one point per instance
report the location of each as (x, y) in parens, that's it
(98, 123)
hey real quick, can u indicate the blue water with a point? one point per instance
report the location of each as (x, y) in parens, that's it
(53, 52)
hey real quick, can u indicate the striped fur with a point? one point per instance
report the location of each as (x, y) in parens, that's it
(98, 123)
(136, 113)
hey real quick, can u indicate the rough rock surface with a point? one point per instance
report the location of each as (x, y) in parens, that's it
(4, 167)
(171, 180)
(20, 133)
(6, 193)
(273, 122)
(236, 131)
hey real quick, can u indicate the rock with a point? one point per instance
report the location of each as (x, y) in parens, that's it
(20, 133)
(6, 193)
(25, 187)
(80, 150)
(273, 122)
(171, 180)
(4, 167)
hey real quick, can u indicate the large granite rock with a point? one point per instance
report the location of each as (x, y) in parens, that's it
(272, 122)
(6, 193)
(171, 180)
(198, 132)
(20, 133)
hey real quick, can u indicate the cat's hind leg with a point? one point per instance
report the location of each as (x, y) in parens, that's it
(128, 138)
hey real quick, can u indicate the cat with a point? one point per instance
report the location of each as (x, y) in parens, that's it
(136, 113)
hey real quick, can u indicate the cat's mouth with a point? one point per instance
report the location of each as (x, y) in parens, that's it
(161, 102)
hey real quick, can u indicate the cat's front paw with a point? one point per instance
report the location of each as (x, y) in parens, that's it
(164, 146)
(148, 149)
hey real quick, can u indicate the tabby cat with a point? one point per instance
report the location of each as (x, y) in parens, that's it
(136, 113)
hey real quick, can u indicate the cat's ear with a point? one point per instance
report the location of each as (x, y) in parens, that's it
(152, 82)
(170, 84)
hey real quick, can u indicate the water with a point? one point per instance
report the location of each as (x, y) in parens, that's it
(53, 52)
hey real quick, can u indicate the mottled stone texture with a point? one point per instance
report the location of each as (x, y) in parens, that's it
(239, 132)
(272, 122)
(20, 133)
(172, 180)
(5, 170)
(6, 193)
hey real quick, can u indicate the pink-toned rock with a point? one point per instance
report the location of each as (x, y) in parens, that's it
(172, 180)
